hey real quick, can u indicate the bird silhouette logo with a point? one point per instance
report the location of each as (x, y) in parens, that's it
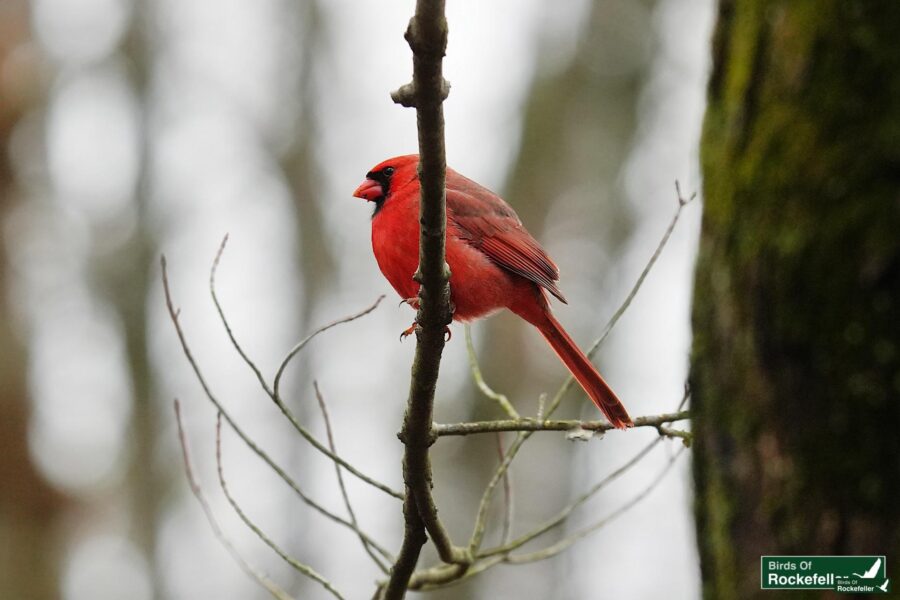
(872, 571)
(883, 586)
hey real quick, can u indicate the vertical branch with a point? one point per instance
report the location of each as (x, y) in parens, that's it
(427, 37)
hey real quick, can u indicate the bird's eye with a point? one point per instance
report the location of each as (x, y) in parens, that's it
(388, 171)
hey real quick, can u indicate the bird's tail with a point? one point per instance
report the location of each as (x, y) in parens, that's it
(584, 372)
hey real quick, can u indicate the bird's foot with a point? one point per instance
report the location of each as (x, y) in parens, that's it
(408, 331)
(448, 335)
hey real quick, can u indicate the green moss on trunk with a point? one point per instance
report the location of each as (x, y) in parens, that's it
(796, 359)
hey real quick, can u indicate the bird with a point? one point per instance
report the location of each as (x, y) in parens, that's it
(494, 262)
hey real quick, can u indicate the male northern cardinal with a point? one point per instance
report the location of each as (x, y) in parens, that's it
(494, 262)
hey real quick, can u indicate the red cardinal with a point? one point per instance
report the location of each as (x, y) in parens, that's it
(494, 262)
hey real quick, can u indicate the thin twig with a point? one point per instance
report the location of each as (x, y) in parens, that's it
(197, 491)
(565, 543)
(340, 478)
(174, 317)
(302, 343)
(234, 342)
(273, 393)
(337, 459)
(485, 389)
(563, 515)
(488, 494)
(300, 567)
(506, 531)
(445, 575)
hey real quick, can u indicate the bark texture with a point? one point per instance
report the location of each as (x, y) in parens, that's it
(796, 358)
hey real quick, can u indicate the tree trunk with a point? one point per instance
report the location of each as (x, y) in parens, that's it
(796, 364)
(30, 508)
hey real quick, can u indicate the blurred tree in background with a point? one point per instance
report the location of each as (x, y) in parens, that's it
(796, 364)
(123, 276)
(30, 509)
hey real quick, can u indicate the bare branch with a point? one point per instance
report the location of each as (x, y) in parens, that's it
(315, 443)
(302, 343)
(563, 544)
(174, 317)
(340, 477)
(563, 515)
(427, 37)
(481, 518)
(500, 399)
(445, 575)
(274, 393)
(197, 491)
(488, 494)
(300, 567)
(532, 425)
(506, 531)
(234, 342)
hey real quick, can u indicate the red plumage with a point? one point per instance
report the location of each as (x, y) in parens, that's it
(494, 262)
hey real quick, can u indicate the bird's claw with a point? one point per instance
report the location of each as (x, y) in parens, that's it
(448, 334)
(408, 331)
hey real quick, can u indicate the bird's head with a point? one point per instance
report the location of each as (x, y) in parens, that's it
(386, 176)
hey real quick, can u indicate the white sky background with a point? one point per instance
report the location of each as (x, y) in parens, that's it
(221, 97)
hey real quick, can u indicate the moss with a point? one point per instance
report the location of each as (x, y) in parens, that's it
(795, 362)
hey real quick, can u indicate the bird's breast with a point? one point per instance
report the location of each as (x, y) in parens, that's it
(478, 286)
(395, 243)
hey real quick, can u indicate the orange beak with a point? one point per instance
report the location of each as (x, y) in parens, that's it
(369, 190)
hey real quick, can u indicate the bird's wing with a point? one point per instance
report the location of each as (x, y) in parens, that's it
(488, 223)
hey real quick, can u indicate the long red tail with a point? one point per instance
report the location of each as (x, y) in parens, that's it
(584, 372)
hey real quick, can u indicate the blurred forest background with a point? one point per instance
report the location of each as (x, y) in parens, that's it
(129, 128)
